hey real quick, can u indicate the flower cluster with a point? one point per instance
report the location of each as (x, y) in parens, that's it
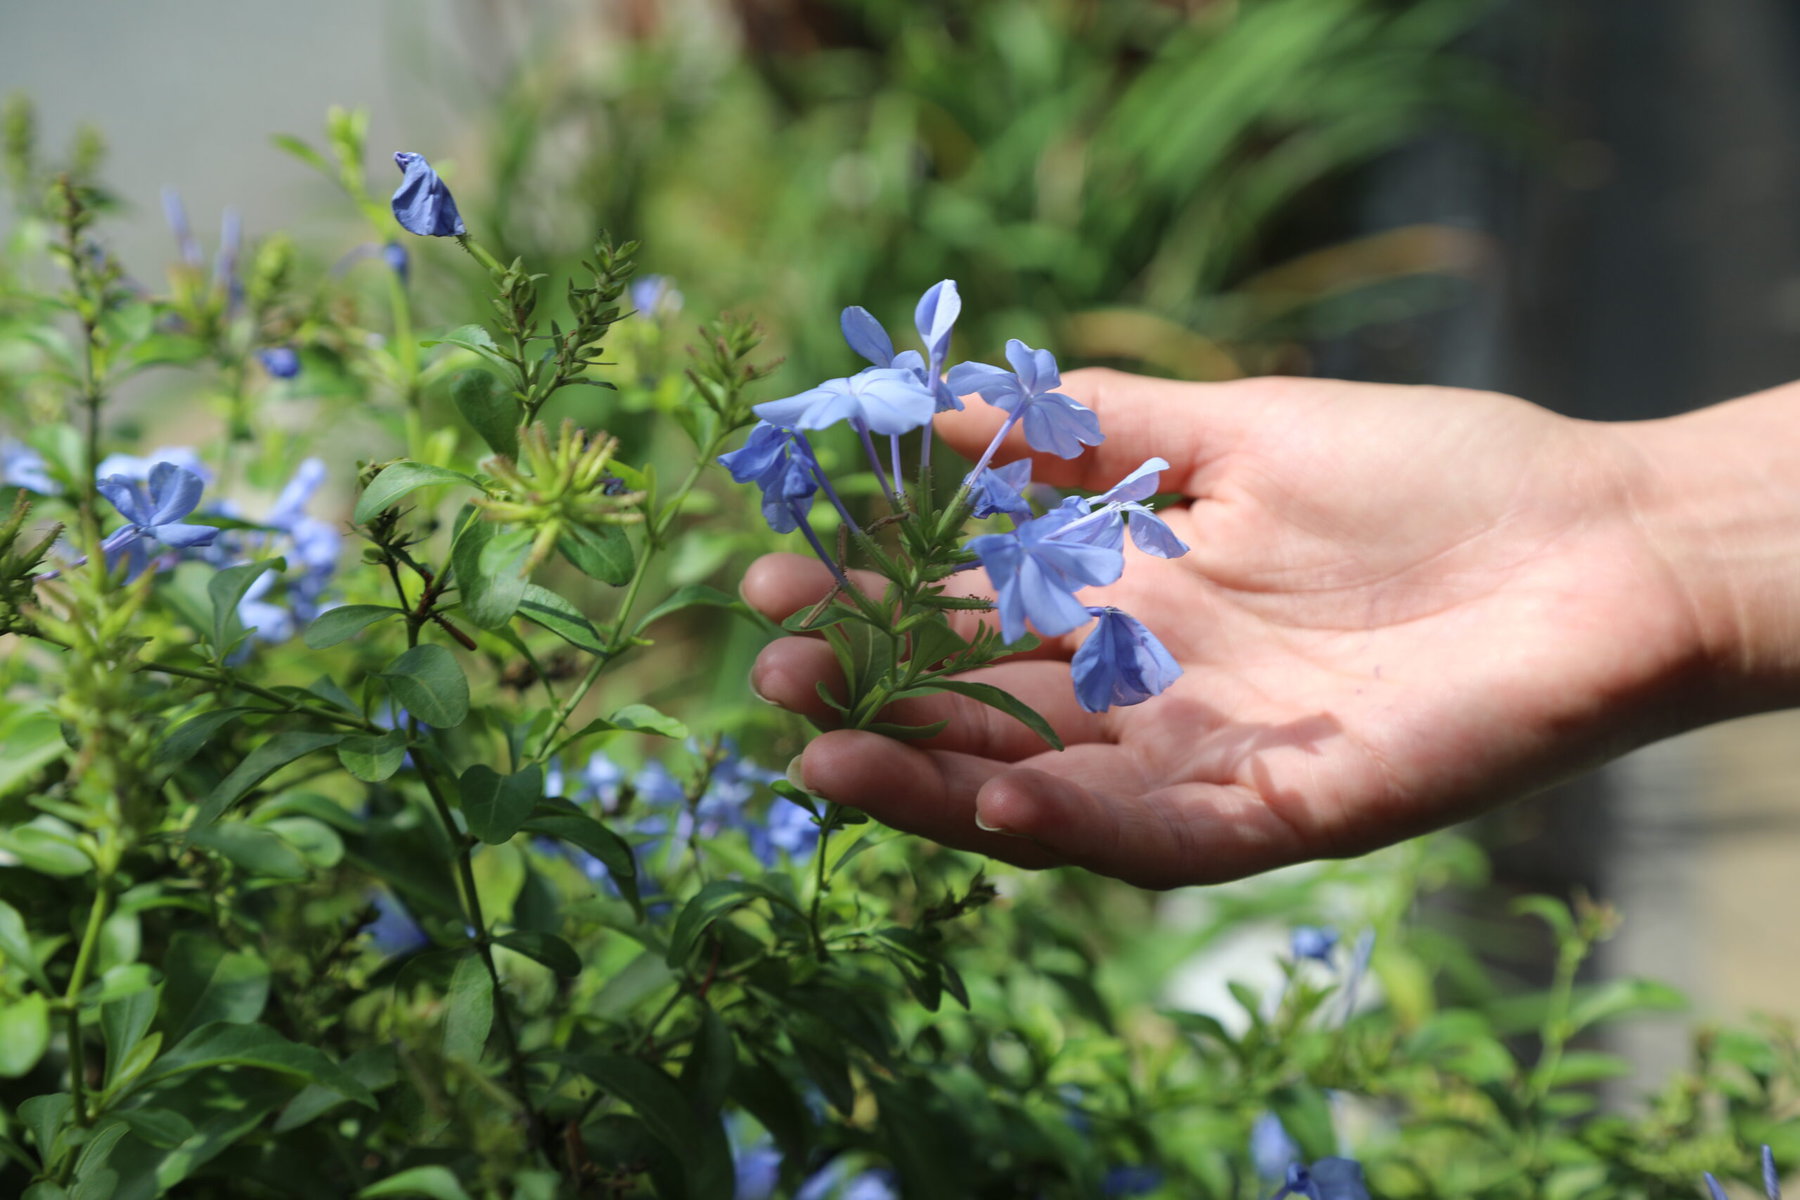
(1042, 560)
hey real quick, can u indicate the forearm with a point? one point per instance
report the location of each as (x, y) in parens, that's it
(1717, 496)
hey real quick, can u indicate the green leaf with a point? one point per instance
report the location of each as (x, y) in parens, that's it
(305, 153)
(205, 983)
(29, 744)
(490, 570)
(489, 409)
(641, 718)
(159, 1127)
(994, 697)
(604, 553)
(708, 905)
(375, 1067)
(562, 820)
(47, 846)
(697, 1139)
(24, 1034)
(1617, 997)
(45, 1116)
(559, 616)
(224, 1044)
(254, 849)
(1306, 1115)
(696, 595)
(373, 759)
(15, 945)
(546, 948)
(477, 339)
(340, 624)
(185, 740)
(429, 684)
(225, 589)
(706, 1075)
(401, 479)
(257, 766)
(468, 1010)
(435, 1182)
(496, 805)
(123, 1024)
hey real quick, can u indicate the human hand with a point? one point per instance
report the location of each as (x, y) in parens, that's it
(1402, 605)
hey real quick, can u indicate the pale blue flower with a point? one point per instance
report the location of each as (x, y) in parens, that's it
(1054, 423)
(1123, 505)
(394, 931)
(883, 400)
(134, 467)
(175, 213)
(282, 362)
(781, 463)
(655, 296)
(1771, 1181)
(422, 204)
(153, 512)
(1272, 1151)
(1036, 575)
(1313, 941)
(1002, 490)
(23, 467)
(1137, 1180)
(1120, 663)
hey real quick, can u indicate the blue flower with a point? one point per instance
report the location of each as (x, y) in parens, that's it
(394, 255)
(655, 296)
(835, 1181)
(394, 931)
(1035, 574)
(1313, 941)
(23, 467)
(311, 544)
(1054, 423)
(153, 512)
(1771, 1181)
(1712, 1187)
(175, 213)
(1122, 505)
(1137, 1180)
(422, 204)
(1002, 490)
(934, 316)
(1327, 1179)
(133, 467)
(280, 361)
(781, 463)
(1272, 1151)
(786, 828)
(884, 400)
(1120, 663)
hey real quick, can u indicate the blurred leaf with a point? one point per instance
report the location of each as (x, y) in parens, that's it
(477, 339)
(1618, 997)
(706, 1075)
(226, 589)
(185, 740)
(225, 1044)
(708, 905)
(490, 410)
(257, 766)
(695, 1137)
(496, 805)
(24, 1034)
(15, 945)
(28, 744)
(468, 1010)
(429, 684)
(696, 595)
(123, 1024)
(545, 948)
(256, 850)
(204, 983)
(344, 622)
(435, 1182)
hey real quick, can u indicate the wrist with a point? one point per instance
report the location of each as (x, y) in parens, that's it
(1716, 495)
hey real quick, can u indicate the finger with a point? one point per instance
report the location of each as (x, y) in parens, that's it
(780, 585)
(927, 792)
(1188, 833)
(789, 672)
(1189, 424)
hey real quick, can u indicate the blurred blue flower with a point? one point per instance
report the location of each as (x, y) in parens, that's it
(231, 242)
(786, 828)
(884, 400)
(834, 1182)
(309, 544)
(134, 467)
(394, 931)
(1036, 575)
(1313, 941)
(175, 213)
(655, 296)
(1054, 423)
(1137, 1180)
(395, 256)
(603, 779)
(422, 204)
(1712, 1187)
(781, 463)
(282, 362)
(1327, 1179)
(1272, 1151)
(1771, 1181)
(153, 512)
(23, 467)
(1120, 663)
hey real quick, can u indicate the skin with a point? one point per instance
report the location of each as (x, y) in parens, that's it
(1402, 606)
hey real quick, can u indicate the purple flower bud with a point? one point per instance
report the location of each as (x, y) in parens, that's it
(422, 204)
(1314, 942)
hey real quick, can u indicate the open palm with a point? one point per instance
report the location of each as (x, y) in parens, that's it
(1401, 605)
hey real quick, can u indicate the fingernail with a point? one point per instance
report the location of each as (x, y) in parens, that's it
(982, 824)
(795, 775)
(757, 692)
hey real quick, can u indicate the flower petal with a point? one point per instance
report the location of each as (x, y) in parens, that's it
(866, 336)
